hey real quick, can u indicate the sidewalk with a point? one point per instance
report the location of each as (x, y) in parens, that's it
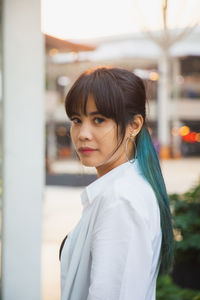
(179, 174)
(63, 209)
(71, 166)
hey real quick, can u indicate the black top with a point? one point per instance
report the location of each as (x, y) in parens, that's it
(61, 246)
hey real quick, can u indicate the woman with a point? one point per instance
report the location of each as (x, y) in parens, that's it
(125, 232)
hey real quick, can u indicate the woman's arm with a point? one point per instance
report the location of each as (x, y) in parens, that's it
(121, 254)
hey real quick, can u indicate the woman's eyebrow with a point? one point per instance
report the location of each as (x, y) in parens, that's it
(75, 114)
(92, 113)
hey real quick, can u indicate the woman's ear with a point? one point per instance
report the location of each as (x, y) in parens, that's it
(136, 125)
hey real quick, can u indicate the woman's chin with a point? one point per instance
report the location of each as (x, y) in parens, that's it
(88, 163)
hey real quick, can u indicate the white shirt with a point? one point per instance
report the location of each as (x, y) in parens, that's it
(112, 252)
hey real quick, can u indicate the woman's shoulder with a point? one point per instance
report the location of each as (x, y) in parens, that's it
(136, 194)
(129, 186)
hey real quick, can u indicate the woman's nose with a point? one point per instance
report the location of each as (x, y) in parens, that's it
(85, 132)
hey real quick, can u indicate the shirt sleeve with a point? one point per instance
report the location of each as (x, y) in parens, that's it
(121, 254)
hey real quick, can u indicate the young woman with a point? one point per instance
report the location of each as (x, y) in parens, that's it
(125, 233)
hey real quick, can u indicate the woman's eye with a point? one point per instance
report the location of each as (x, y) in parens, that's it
(99, 120)
(75, 120)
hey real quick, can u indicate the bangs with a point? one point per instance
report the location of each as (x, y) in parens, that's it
(107, 94)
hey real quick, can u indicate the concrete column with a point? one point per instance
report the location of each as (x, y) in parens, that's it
(176, 124)
(23, 149)
(163, 106)
(176, 72)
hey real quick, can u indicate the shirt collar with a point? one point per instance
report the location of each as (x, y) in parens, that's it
(95, 188)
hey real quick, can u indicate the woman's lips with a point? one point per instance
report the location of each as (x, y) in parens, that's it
(86, 150)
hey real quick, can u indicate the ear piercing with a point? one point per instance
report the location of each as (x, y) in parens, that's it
(133, 134)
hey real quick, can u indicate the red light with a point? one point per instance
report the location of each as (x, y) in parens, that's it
(190, 137)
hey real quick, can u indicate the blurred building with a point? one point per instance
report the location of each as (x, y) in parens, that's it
(58, 144)
(139, 55)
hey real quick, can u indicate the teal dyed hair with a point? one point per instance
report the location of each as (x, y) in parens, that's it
(120, 95)
(150, 167)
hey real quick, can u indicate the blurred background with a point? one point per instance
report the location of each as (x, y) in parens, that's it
(44, 46)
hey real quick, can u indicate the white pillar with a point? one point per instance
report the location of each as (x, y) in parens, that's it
(23, 149)
(176, 68)
(163, 103)
(176, 124)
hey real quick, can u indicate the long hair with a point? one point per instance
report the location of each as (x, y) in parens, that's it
(120, 95)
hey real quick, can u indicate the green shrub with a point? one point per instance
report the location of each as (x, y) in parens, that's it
(186, 223)
(167, 290)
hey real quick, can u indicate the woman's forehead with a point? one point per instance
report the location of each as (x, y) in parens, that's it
(91, 105)
(86, 107)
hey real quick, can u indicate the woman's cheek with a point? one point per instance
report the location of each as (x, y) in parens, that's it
(73, 134)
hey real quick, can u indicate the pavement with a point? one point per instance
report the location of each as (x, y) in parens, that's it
(62, 207)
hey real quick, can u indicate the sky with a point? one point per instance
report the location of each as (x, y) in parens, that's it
(86, 19)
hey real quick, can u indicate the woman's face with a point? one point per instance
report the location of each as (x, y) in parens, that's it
(95, 139)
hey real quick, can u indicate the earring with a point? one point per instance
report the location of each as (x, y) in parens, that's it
(126, 145)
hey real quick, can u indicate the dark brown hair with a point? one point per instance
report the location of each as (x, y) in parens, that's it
(118, 94)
